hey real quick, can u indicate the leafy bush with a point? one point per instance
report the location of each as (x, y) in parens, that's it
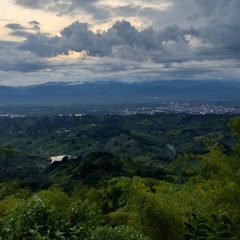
(117, 233)
(215, 227)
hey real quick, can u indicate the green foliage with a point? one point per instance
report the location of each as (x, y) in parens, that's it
(116, 233)
(8, 150)
(184, 166)
(29, 220)
(51, 214)
(115, 188)
(125, 136)
(235, 126)
(143, 209)
(7, 189)
(215, 227)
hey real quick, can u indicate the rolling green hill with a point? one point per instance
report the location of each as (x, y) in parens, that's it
(152, 177)
(141, 144)
(143, 138)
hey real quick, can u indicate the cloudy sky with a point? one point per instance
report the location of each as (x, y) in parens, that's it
(129, 40)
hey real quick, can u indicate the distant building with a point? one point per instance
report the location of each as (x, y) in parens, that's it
(57, 158)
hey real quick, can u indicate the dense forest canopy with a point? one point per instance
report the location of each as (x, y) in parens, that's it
(161, 176)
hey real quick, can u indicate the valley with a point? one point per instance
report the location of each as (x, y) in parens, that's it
(134, 176)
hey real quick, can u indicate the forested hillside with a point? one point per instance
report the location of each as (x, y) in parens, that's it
(161, 176)
(142, 137)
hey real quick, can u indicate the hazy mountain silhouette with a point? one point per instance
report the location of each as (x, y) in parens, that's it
(105, 92)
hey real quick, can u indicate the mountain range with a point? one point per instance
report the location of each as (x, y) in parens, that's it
(114, 92)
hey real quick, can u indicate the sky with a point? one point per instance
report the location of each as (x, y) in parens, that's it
(110, 40)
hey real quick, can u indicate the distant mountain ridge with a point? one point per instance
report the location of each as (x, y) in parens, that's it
(110, 92)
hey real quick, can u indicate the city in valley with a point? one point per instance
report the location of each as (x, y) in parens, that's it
(78, 110)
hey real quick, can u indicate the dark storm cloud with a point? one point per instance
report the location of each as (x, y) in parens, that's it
(61, 7)
(19, 34)
(96, 9)
(34, 22)
(122, 35)
(12, 60)
(14, 26)
(171, 48)
(193, 17)
(35, 25)
(25, 66)
(38, 4)
(7, 44)
(209, 8)
(123, 40)
(21, 31)
(221, 28)
(41, 45)
(126, 11)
